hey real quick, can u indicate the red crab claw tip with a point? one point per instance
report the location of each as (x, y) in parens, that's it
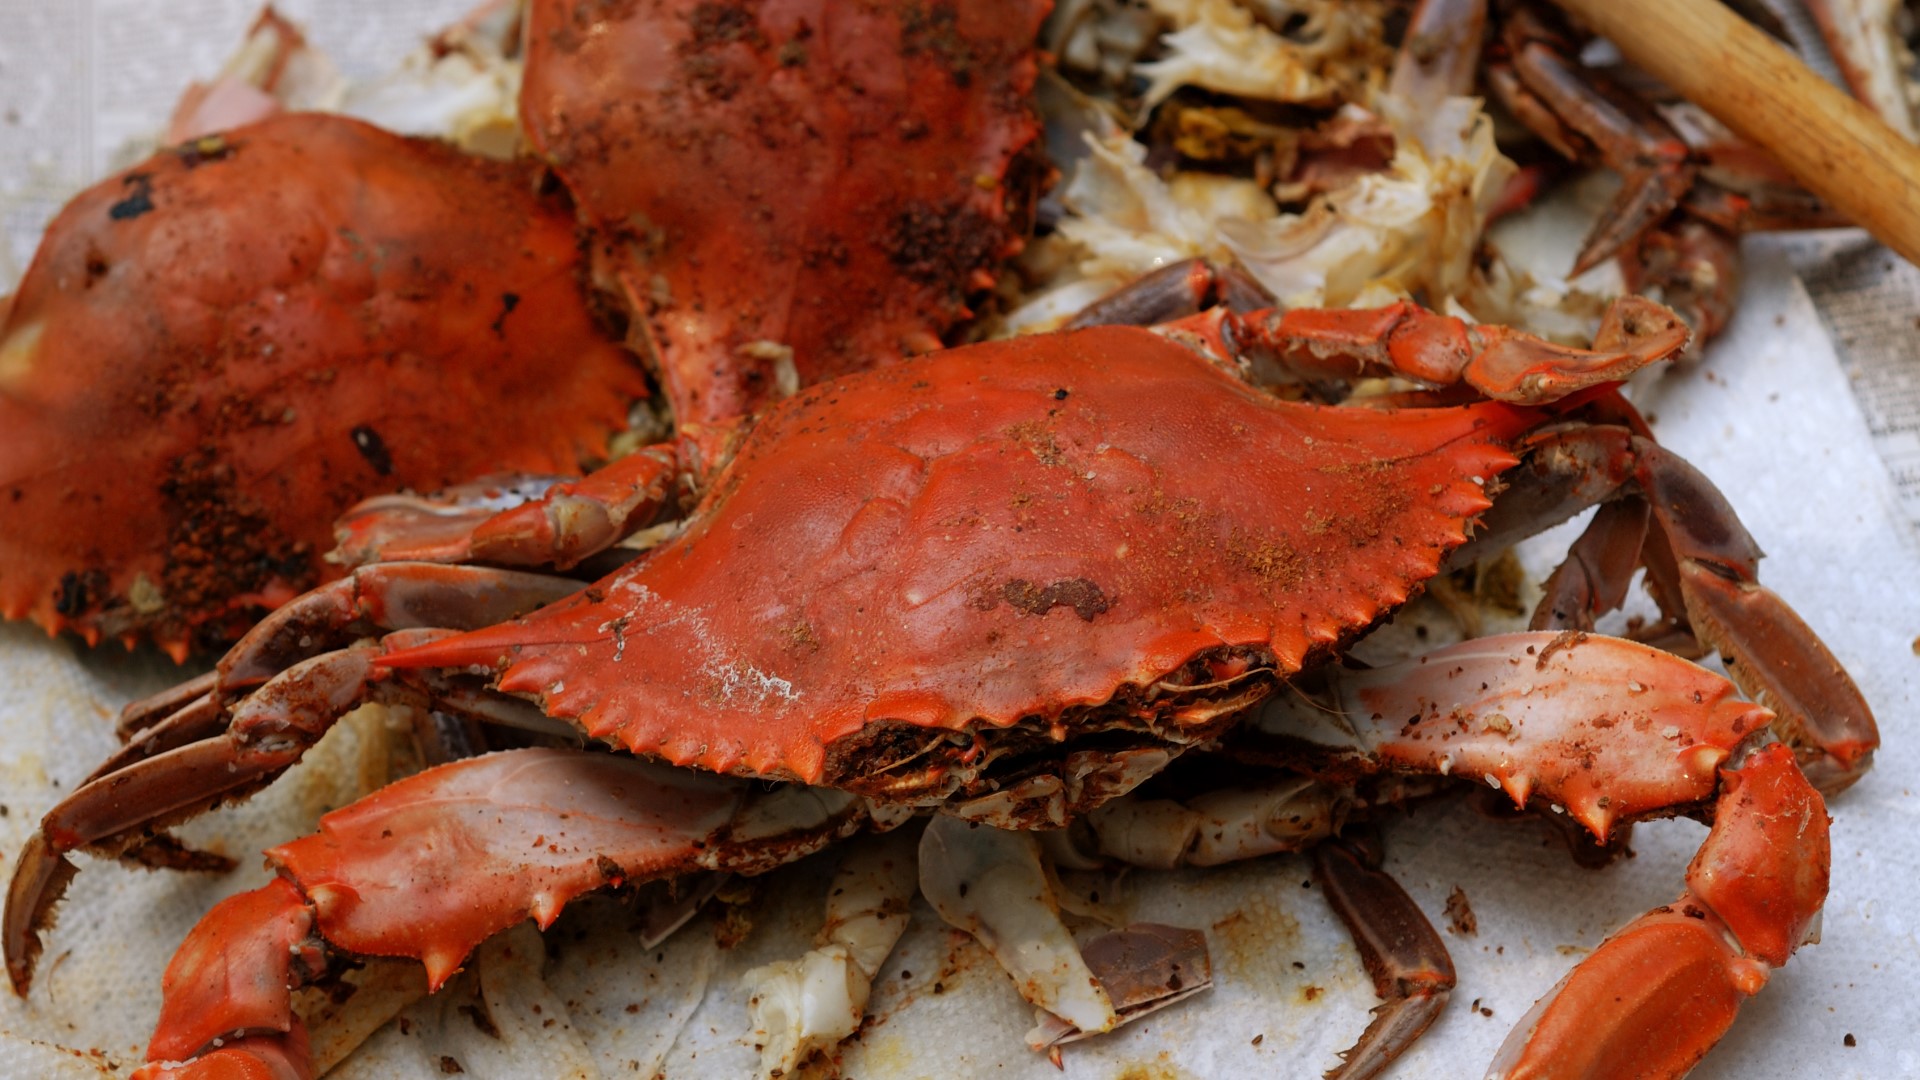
(1764, 869)
(1654, 998)
(229, 980)
(1651, 1001)
(257, 1058)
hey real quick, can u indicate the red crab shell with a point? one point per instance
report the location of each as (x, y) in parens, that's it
(827, 177)
(1010, 531)
(219, 350)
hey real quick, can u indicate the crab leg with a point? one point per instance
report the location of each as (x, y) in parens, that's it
(1440, 350)
(208, 752)
(1584, 115)
(1174, 292)
(1412, 973)
(1501, 710)
(533, 521)
(493, 840)
(1702, 566)
(1655, 997)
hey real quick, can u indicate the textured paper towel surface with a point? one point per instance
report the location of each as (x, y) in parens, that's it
(1768, 415)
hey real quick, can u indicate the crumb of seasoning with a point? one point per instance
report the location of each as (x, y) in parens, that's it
(1260, 1038)
(1849, 1040)
(1460, 913)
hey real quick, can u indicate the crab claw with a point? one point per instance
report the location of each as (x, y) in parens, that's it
(211, 749)
(1655, 997)
(226, 989)
(1650, 733)
(494, 840)
(1702, 567)
(1440, 350)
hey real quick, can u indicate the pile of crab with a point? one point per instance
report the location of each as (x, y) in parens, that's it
(670, 508)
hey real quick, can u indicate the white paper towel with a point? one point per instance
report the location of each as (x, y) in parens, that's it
(1768, 415)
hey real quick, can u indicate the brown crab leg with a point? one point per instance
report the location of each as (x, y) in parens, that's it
(1409, 965)
(201, 718)
(1174, 292)
(496, 839)
(1440, 55)
(381, 598)
(1584, 115)
(1598, 569)
(148, 711)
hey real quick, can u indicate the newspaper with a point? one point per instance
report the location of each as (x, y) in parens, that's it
(1812, 437)
(1869, 299)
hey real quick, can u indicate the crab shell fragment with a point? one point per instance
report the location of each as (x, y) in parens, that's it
(1027, 541)
(217, 351)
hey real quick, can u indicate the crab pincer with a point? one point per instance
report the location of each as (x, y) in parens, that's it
(1538, 715)
(1009, 584)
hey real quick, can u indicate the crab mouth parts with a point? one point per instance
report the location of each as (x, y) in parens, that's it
(1043, 770)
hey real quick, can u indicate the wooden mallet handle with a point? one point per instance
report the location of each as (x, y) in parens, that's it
(1833, 145)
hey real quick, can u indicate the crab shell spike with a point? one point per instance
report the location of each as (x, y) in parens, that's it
(1656, 996)
(914, 525)
(882, 160)
(170, 476)
(1604, 727)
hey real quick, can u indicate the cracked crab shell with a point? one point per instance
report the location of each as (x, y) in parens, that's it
(1032, 532)
(829, 177)
(217, 351)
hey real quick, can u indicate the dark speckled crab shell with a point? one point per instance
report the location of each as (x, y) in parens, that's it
(219, 350)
